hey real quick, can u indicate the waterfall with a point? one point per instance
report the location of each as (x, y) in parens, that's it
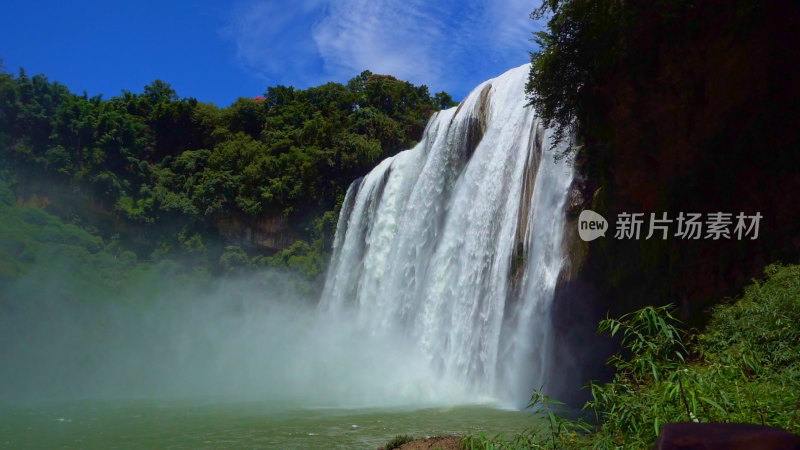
(456, 244)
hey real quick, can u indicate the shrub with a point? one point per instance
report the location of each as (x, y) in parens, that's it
(398, 441)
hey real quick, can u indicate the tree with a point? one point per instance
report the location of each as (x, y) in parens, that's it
(443, 100)
(583, 39)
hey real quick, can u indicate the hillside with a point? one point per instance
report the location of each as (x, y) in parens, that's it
(258, 182)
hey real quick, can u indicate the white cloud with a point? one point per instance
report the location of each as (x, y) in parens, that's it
(273, 39)
(384, 36)
(447, 44)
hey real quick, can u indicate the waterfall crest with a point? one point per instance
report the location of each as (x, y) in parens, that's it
(455, 244)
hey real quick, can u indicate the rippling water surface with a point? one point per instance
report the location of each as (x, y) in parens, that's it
(184, 424)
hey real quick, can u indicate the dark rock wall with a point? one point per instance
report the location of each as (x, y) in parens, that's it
(701, 116)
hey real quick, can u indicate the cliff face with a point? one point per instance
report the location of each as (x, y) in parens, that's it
(268, 233)
(701, 116)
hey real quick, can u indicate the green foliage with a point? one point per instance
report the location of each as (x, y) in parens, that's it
(6, 196)
(398, 441)
(234, 258)
(582, 40)
(42, 258)
(746, 370)
(763, 327)
(744, 367)
(653, 345)
(443, 100)
(551, 429)
(36, 244)
(648, 388)
(300, 257)
(168, 165)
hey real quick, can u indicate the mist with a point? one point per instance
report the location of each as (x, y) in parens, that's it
(246, 338)
(443, 270)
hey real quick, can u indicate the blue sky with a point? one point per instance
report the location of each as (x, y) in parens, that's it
(218, 51)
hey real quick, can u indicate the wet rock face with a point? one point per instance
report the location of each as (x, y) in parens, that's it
(577, 309)
(268, 234)
(701, 122)
(704, 121)
(578, 197)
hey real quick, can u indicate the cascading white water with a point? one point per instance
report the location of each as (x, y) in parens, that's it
(455, 245)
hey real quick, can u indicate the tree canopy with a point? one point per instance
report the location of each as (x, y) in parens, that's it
(154, 157)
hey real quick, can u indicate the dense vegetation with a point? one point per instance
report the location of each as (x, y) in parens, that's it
(163, 173)
(743, 367)
(40, 253)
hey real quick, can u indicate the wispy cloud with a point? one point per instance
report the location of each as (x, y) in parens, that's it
(449, 44)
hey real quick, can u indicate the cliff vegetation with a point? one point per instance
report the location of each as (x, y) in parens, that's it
(256, 183)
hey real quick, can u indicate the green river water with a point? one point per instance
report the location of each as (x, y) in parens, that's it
(202, 424)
